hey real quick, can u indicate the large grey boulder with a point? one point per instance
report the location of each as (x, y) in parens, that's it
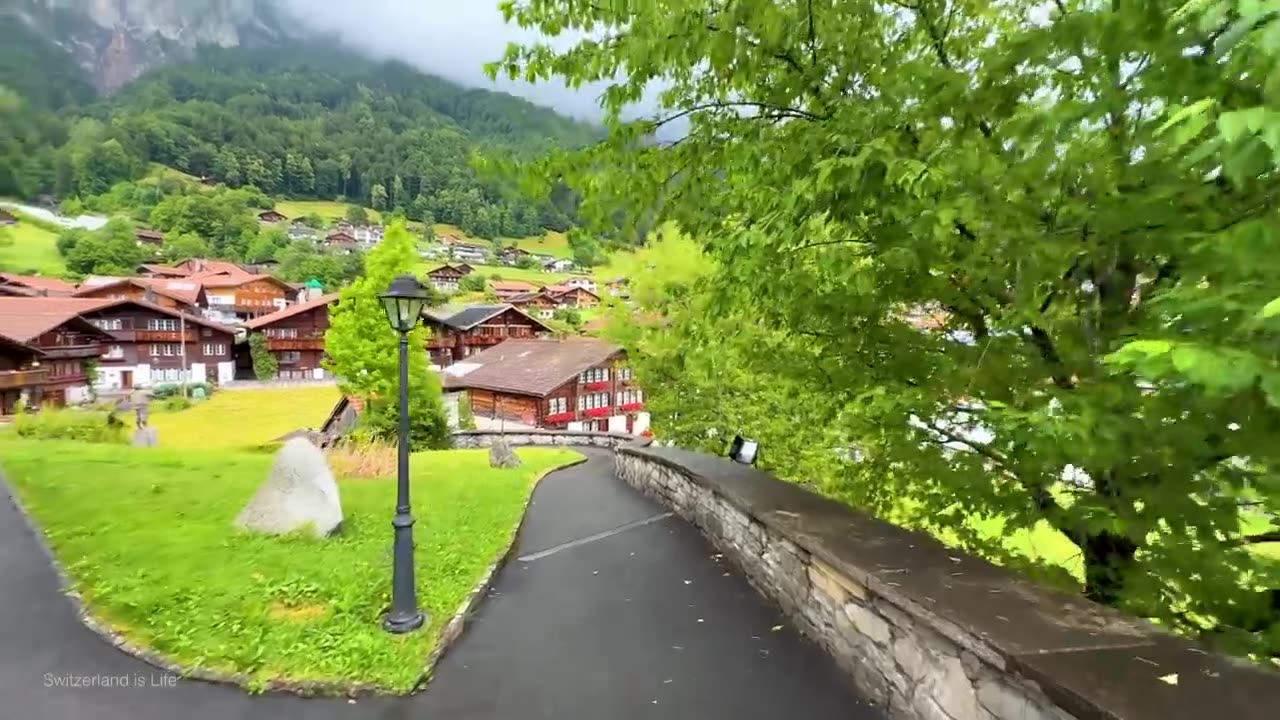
(299, 492)
(502, 456)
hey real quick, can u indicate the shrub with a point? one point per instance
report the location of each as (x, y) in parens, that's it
(65, 424)
(177, 403)
(265, 365)
(472, 283)
(165, 391)
(356, 459)
(466, 418)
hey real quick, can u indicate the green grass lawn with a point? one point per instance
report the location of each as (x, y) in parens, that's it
(244, 419)
(147, 538)
(327, 209)
(33, 249)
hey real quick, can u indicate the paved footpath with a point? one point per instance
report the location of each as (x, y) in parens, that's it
(612, 610)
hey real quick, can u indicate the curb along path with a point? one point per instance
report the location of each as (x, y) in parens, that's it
(609, 608)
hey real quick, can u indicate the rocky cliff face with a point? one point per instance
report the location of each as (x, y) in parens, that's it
(115, 41)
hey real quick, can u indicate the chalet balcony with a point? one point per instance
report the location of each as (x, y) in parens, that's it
(301, 343)
(72, 351)
(15, 379)
(155, 336)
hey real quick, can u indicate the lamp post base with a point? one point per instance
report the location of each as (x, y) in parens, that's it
(403, 623)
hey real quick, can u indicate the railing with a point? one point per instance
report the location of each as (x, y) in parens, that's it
(72, 351)
(304, 343)
(165, 336)
(10, 379)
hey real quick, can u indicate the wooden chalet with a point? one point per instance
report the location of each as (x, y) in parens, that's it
(445, 278)
(507, 289)
(458, 333)
(22, 375)
(148, 237)
(153, 344)
(464, 268)
(236, 298)
(295, 336)
(341, 240)
(572, 297)
(538, 304)
(151, 270)
(201, 266)
(574, 384)
(64, 345)
(181, 294)
(271, 217)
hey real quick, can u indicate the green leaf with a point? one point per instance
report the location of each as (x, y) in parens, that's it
(1271, 309)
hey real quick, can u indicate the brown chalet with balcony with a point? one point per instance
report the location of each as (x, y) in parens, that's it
(295, 336)
(571, 384)
(538, 304)
(153, 344)
(63, 343)
(504, 290)
(179, 294)
(446, 278)
(270, 217)
(21, 374)
(459, 332)
(572, 297)
(234, 299)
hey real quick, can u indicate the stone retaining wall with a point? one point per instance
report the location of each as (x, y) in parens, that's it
(932, 634)
(486, 438)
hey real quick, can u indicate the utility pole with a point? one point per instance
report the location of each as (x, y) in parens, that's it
(182, 320)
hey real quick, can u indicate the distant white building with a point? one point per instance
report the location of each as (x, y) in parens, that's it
(559, 265)
(581, 281)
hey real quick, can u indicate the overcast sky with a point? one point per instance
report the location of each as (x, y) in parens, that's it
(450, 38)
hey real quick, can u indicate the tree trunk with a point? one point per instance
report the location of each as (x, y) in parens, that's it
(1107, 558)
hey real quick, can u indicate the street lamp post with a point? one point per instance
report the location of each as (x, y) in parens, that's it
(403, 301)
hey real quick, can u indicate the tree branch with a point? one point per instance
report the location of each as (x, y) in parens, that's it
(1266, 537)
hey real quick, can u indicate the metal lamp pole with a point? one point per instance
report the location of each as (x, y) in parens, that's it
(403, 302)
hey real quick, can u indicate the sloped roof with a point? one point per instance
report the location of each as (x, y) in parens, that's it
(11, 344)
(35, 282)
(512, 286)
(25, 319)
(232, 281)
(213, 267)
(98, 304)
(290, 311)
(528, 367)
(164, 270)
(465, 317)
(184, 290)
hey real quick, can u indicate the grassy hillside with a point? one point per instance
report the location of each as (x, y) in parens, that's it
(327, 209)
(553, 243)
(33, 249)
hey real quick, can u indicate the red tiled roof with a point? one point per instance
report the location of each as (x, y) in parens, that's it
(290, 311)
(231, 281)
(511, 286)
(201, 266)
(529, 367)
(165, 270)
(25, 319)
(51, 285)
(183, 290)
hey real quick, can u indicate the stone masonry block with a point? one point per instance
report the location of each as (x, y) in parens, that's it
(868, 623)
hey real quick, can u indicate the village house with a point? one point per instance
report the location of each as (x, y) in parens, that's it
(572, 384)
(341, 241)
(617, 287)
(64, 346)
(153, 344)
(464, 268)
(148, 238)
(445, 278)
(367, 236)
(233, 299)
(179, 294)
(572, 297)
(38, 284)
(271, 217)
(200, 266)
(459, 332)
(559, 265)
(538, 304)
(295, 336)
(504, 290)
(581, 281)
(22, 375)
(469, 253)
(298, 231)
(511, 255)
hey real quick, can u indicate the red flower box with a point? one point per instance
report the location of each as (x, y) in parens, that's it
(597, 385)
(632, 406)
(563, 417)
(598, 412)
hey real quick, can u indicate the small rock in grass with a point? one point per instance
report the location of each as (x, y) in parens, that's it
(300, 492)
(502, 456)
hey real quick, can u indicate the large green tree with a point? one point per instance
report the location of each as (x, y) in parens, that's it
(1077, 199)
(363, 350)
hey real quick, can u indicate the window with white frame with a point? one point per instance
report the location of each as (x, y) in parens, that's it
(555, 406)
(155, 351)
(162, 324)
(290, 357)
(582, 402)
(109, 323)
(168, 349)
(114, 352)
(218, 349)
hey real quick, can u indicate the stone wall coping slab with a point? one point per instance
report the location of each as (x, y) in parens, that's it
(1092, 661)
